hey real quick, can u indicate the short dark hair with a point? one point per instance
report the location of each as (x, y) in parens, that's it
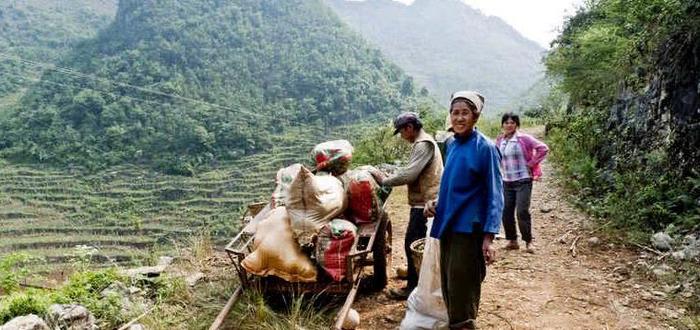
(510, 115)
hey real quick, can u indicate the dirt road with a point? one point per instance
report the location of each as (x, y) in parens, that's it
(551, 289)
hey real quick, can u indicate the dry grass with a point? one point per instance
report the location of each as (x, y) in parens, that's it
(183, 307)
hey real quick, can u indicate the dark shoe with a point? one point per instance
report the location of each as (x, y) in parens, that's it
(512, 245)
(399, 294)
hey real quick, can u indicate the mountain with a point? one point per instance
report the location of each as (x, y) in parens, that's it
(42, 31)
(448, 46)
(190, 82)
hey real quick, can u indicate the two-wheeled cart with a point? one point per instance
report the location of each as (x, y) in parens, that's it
(372, 249)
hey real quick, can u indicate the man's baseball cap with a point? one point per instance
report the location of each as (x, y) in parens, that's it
(404, 119)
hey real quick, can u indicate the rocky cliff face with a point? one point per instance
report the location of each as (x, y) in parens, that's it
(663, 122)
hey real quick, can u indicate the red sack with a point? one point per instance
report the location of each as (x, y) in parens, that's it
(335, 240)
(333, 156)
(364, 205)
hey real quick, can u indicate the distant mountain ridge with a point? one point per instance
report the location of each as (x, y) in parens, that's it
(447, 45)
(256, 68)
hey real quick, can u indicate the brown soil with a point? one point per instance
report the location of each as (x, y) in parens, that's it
(552, 289)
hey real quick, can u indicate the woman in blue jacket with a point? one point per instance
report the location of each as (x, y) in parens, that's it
(467, 212)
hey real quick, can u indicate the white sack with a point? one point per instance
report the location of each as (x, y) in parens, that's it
(426, 308)
(313, 201)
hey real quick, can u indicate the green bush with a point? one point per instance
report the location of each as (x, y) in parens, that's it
(491, 127)
(23, 303)
(89, 283)
(642, 198)
(379, 146)
(607, 53)
(577, 165)
(12, 270)
(85, 288)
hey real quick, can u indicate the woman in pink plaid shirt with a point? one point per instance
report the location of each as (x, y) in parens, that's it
(520, 165)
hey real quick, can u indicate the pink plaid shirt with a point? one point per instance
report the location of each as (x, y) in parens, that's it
(513, 163)
(531, 149)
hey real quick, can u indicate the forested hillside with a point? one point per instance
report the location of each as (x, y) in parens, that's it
(183, 83)
(224, 92)
(42, 31)
(628, 137)
(448, 46)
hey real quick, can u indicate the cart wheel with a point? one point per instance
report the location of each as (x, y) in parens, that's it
(381, 254)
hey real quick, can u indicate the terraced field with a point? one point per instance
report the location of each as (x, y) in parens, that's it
(128, 214)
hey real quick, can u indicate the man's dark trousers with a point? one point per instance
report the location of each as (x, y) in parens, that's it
(417, 227)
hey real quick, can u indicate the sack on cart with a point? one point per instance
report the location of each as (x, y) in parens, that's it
(364, 203)
(283, 181)
(312, 202)
(335, 240)
(276, 252)
(333, 156)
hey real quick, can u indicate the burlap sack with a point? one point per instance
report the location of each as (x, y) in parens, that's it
(313, 201)
(277, 253)
(283, 180)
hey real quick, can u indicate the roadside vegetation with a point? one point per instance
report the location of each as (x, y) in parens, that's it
(164, 302)
(624, 171)
(623, 131)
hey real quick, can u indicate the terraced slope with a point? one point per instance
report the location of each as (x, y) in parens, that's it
(131, 213)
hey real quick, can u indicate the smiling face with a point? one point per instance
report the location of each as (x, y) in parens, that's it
(462, 117)
(509, 127)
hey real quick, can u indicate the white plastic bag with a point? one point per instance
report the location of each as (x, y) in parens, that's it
(426, 308)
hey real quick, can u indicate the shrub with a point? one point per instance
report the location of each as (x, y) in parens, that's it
(12, 270)
(640, 197)
(85, 288)
(23, 303)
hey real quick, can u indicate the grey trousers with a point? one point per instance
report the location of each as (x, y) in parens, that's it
(462, 269)
(517, 196)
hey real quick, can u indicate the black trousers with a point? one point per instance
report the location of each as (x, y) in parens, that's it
(517, 195)
(417, 228)
(462, 269)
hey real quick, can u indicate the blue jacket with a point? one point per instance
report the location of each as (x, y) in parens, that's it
(471, 188)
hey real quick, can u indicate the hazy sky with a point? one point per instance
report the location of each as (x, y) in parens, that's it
(538, 20)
